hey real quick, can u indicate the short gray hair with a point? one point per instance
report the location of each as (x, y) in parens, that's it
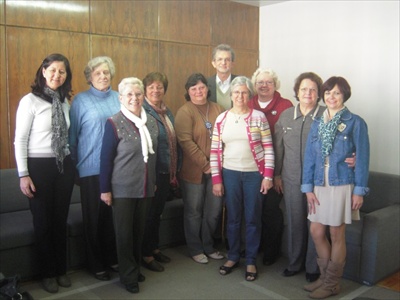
(223, 47)
(243, 80)
(94, 63)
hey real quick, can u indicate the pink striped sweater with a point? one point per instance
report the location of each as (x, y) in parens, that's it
(260, 140)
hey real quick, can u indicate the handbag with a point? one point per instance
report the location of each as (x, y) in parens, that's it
(9, 289)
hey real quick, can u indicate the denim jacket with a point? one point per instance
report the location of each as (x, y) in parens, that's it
(351, 137)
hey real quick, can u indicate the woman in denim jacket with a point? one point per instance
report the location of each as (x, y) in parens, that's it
(334, 190)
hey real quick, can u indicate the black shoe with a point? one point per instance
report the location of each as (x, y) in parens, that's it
(269, 261)
(64, 281)
(310, 277)
(153, 265)
(132, 288)
(103, 276)
(160, 257)
(250, 276)
(225, 270)
(141, 277)
(288, 273)
(50, 285)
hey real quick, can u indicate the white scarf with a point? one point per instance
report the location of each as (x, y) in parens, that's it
(140, 123)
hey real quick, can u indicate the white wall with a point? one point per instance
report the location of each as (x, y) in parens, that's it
(358, 40)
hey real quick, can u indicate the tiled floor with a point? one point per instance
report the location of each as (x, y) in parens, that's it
(185, 279)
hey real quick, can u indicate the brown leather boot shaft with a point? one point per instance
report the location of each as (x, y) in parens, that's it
(331, 284)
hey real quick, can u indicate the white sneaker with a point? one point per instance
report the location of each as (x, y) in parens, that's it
(216, 255)
(201, 259)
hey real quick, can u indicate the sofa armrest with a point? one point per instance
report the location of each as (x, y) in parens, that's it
(380, 246)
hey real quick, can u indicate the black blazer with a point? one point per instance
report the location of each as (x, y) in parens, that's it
(212, 86)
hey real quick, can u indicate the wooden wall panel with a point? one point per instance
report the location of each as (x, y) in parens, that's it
(246, 62)
(185, 21)
(5, 143)
(178, 62)
(132, 57)
(61, 15)
(2, 18)
(26, 49)
(236, 26)
(174, 36)
(131, 18)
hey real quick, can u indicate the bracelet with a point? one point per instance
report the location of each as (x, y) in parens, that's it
(268, 178)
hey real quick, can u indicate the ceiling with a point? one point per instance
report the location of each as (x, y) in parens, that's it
(258, 3)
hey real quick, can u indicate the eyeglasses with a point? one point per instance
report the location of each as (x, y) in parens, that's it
(130, 95)
(238, 93)
(306, 90)
(261, 83)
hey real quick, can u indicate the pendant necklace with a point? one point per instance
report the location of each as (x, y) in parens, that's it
(205, 119)
(236, 118)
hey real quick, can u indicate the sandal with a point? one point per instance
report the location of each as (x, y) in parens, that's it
(225, 270)
(251, 276)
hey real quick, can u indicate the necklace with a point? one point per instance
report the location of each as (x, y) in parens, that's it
(237, 118)
(205, 119)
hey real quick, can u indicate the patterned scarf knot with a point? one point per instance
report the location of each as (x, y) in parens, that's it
(327, 131)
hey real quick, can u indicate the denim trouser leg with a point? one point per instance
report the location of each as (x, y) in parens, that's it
(201, 213)
(242, 191)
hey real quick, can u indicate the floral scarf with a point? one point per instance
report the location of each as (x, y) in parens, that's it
(327, 131)
(59, 137)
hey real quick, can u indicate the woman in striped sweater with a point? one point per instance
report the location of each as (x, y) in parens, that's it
(242, 166)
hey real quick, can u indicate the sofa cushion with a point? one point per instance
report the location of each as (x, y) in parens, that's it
(11, 197)
(379, 182)
(354, 232)
(16, 229)
(74, 221)
(76, 194)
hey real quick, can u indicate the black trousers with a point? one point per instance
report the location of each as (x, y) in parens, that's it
(101, 249)
(129, 219)
(272, 225)
(151, 236)
(49, 207)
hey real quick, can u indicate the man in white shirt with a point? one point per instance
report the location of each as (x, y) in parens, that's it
(223, 58)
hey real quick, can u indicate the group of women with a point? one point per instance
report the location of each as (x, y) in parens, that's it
(127, 150)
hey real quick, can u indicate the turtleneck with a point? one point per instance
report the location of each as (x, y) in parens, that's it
(98, 93)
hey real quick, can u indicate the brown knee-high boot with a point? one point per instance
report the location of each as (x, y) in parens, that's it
(322, 264)
(331, 285)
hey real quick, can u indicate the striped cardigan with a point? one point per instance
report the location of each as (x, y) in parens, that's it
(260, 140)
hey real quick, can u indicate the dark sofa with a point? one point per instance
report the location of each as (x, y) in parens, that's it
(16, 229)
(373, 244)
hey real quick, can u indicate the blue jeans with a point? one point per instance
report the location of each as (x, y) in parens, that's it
(242, 192)
(201, 213)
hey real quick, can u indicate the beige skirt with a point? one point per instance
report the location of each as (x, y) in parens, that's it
(335, 204)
